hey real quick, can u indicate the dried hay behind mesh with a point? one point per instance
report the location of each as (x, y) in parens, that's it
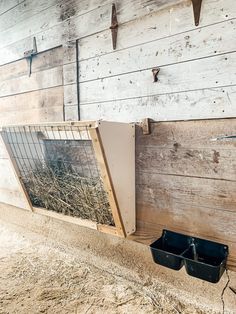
(68, 193)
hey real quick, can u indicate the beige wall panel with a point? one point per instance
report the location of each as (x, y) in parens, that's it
(118, 141)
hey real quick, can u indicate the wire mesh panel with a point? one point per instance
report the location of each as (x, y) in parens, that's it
(59, 170)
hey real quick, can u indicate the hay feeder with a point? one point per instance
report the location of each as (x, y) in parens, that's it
(79, 172)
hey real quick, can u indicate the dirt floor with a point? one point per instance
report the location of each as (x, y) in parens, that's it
(40, 276)
(37, 277)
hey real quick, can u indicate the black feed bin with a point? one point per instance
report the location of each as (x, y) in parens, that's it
(202, 258)
(167, 250)
(206, 259)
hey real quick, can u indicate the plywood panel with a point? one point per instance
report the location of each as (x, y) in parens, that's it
(118, 142)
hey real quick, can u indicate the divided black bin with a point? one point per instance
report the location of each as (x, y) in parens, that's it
(206, 259)
(202, 258)
(167, 250)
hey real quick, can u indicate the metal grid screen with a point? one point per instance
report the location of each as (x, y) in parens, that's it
(59, 170)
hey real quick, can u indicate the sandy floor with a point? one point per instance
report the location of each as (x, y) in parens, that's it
(37, 276)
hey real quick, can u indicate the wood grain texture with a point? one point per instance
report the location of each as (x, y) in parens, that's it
(71, 113)
(157, 25)
(166, 191)
(45, 106)
(25, 99)
(198, 74)
(186, 181)
(69, 21)
(39, 80)
(198, 43)
(63, 23)
(22, 11)
(6, 5)
(200, 104)
(41, 62)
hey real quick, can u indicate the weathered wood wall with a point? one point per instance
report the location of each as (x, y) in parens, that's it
(185, 181)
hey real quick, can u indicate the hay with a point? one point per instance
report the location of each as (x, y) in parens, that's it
(67, 192)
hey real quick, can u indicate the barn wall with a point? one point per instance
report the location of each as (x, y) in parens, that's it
(185, 182)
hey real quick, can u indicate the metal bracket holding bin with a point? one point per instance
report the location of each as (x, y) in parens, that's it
(202, 258)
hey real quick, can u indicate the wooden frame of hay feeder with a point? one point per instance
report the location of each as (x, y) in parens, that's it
(79, 172)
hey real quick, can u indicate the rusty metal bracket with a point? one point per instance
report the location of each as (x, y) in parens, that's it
(30, 53)
(155, 72)
(114, 26)
(197, 10)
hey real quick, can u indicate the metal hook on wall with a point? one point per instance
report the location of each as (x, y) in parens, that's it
(155, 72)
(29, 55)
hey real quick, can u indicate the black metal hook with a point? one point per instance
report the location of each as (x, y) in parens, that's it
(155, 72)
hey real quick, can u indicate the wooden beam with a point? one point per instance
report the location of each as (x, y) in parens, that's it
(75, 220)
